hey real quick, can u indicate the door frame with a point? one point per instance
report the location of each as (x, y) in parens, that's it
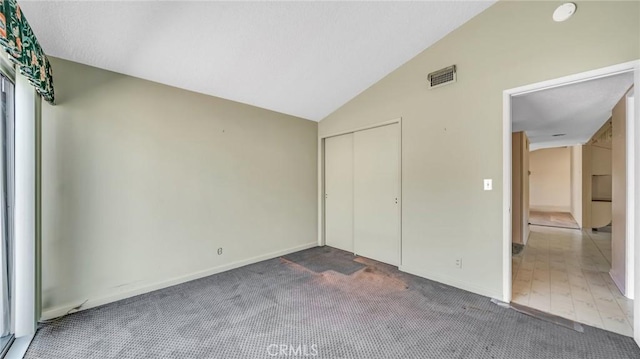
(321, 182)
(633, 151)
(630, 261)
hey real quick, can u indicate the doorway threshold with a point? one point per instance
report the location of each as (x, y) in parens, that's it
(548, 317)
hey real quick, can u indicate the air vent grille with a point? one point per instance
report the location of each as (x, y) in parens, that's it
(442, 77)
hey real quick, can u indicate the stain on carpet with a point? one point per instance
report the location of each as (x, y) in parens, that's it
(323, 259)
(345, 271)
(516, 248)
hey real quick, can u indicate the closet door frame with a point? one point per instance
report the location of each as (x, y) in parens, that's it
(321, 182)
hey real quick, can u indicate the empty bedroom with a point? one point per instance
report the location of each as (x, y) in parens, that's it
(343, 179)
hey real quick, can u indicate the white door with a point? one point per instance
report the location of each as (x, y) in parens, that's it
(377, 193)
(339, 192)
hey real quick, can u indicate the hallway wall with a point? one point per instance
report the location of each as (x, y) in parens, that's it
(550, 179)
(619, 194)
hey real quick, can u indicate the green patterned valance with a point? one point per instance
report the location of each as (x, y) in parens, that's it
(20, 43)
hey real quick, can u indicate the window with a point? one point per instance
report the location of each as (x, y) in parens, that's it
(6, 213)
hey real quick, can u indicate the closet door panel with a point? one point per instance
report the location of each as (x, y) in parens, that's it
(339, 192)
(377, 193)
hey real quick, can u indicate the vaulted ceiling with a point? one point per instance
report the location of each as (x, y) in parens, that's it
(300, 58)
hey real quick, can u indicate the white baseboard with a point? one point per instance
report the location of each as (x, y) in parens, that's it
(454, 283)
(550, 209)
(526, 239)
(621, 286)
(146, 288)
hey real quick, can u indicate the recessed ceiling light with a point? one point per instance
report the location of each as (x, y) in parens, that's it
(564, 12)
(559, 134)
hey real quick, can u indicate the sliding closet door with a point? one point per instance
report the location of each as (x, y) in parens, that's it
(377, 193)
(339, 192)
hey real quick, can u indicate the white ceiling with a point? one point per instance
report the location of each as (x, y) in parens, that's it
(576, 110)
(300, 58)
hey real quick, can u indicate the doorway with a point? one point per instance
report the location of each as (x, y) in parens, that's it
(556, 243)
(360, 184)
(554, 187)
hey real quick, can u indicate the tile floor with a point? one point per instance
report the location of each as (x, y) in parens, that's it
(566, 272)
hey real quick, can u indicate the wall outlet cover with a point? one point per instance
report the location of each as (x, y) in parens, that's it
(488, 184)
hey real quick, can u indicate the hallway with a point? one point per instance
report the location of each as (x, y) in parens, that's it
(566, 272)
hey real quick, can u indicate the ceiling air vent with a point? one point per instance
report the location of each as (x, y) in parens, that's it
(442, 77)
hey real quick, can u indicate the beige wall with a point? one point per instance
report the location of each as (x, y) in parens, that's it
(550, 179)
(600, 160)
(142, 183)
(576, 183)
(619, 193)
(596, 179)
(452, 135)
(586, 186)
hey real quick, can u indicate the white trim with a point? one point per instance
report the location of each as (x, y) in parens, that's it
(506, 167)
(551, 208)
(19, 347)
(109, 298)
(400, 201)
(631, 160)
(320, 192)
(506, 197)
(452, 282)
(321, 206)
(380, 124)
(636, 219)
(26, 110)
(574, 79)
(615, 278)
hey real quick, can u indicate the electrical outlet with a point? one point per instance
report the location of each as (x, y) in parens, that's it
(459, 263)
(219, 251)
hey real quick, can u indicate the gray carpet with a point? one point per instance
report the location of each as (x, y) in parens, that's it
(258, 310)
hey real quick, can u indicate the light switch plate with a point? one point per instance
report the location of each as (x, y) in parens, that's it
(488, 184)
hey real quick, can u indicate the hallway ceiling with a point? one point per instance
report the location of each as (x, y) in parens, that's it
(300, 58)
(576, 110)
